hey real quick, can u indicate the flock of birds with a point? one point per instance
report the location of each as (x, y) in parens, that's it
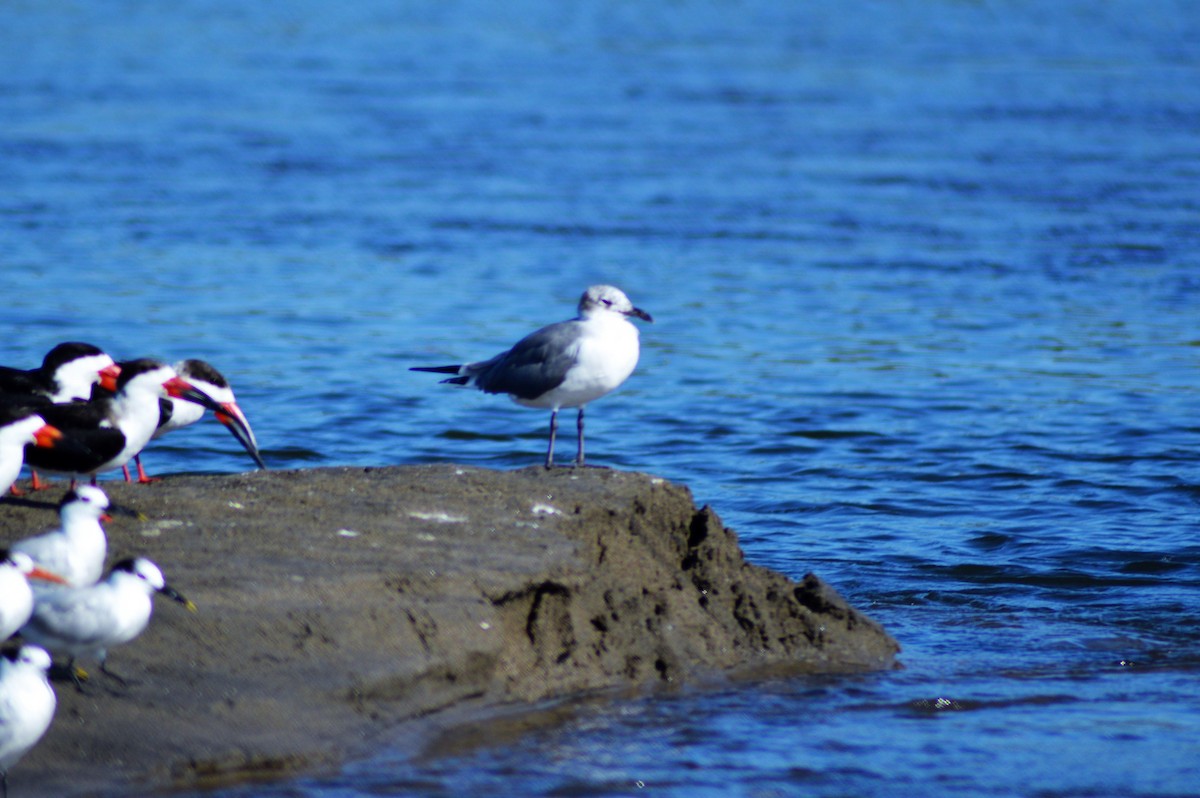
(81, 413)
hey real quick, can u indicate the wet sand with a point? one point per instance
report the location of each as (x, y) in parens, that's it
(340, 608)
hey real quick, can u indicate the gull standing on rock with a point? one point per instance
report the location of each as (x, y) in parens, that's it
(87, 621)
(75, 550)
(567, 364)
(27, 705)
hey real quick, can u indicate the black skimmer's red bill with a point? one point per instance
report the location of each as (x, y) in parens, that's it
(16, 596)
(67, 374)
(213, 383)
(567, 364)
(175, 414)
(87, 621)
(77, 547)
(21, 427)
(115, 428)
(27, 704)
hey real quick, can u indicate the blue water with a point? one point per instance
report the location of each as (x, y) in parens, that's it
(926, 287)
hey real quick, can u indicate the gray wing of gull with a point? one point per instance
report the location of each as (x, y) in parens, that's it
(538, 363)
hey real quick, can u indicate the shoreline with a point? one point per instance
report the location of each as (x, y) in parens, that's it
(337, 604)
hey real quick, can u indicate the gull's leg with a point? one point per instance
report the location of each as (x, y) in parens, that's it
(553, 432)
(579, 429)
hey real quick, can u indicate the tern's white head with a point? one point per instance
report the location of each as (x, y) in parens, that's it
(23, 564)
(32, 657)
(142, 570)
(17, 560)
(84, 502)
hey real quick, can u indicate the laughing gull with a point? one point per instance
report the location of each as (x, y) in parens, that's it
(567, 364)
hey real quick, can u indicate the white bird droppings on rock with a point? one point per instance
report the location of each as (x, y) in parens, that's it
(441, 518)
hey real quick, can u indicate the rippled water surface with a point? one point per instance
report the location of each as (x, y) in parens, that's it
(926, 289)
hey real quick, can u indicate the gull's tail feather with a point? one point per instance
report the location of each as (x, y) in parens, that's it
(460, 380)
(438, 369)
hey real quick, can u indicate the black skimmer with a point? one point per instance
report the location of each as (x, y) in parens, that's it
(567, 364)
(76, 549)
(16, 595)
(21, 427)
(27, 704)
(115, 428)
(176, 414)
(67, 374)
(88, 621)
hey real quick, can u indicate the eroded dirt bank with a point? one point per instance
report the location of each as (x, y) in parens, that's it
(338, 602)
